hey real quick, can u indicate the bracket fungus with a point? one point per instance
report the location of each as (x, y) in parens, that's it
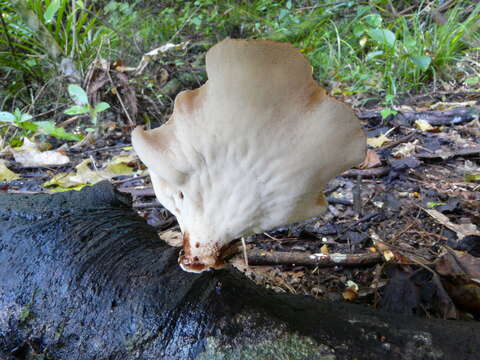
(250, 150)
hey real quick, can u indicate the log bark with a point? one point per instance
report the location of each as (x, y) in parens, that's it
(83, 277)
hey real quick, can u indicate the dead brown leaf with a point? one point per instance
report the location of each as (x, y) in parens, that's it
(460, 274)
(371, 160)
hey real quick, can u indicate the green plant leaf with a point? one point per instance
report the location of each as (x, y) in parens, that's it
(433, 205)
(6, 117)
(473, 80)
(77, 110)
(374, 20)
(102, 106)
(387, 112)
(51, 11)
(423, 62)
(373, 54)
(472, 177)
(78, 94)
(26, 125)
(18, 114)
(49, 128)
(359, 29)
(25, 117)
(382, 36)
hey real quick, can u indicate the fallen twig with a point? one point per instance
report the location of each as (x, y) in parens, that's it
(367, 173)
(460, 230)
(455, 116)
(117, 93)
(334, 200)
(259, 257)
(135, 191)
(107, 148)
(129, 178)
(146, 205)
(449, 154)
(398, 142)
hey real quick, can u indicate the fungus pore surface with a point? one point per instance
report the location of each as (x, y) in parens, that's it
(250, 150)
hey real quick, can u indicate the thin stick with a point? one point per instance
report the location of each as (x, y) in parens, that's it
(184, 24)
(245, 256)
(357, 196)
(258, 257)
(120, 100)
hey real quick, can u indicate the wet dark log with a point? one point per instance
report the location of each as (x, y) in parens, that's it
(83, 277)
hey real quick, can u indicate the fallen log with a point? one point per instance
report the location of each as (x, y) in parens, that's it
(83, 277)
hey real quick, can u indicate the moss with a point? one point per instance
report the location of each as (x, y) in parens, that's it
(285, 347)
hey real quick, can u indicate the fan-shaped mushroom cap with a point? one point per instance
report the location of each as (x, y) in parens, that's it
(250, 150)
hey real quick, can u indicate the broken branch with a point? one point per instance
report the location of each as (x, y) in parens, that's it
(258, 257)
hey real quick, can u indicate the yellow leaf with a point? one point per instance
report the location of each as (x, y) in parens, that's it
(119, 169)
(61, 189)
(324, 249)
(423, 125)
(6, 174)
(378, 141)
(86, 176)
(61, 180)
(118, 165)
(388, 255)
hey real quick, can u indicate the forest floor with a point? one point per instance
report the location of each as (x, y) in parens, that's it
(401, 232)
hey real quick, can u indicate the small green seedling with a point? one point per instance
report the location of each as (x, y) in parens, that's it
(79, 96)
(387, 112)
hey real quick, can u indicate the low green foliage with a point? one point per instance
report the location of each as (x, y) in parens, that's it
(355, 47)
(79, 96)
(39, 33)
(366, 49)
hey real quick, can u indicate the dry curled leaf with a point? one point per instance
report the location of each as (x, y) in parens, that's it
(371, 160)
(423, 125)
(404, 150)
(378, 141)
(29, 155)
(351, 292)
(460, 274)
(172, 238)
